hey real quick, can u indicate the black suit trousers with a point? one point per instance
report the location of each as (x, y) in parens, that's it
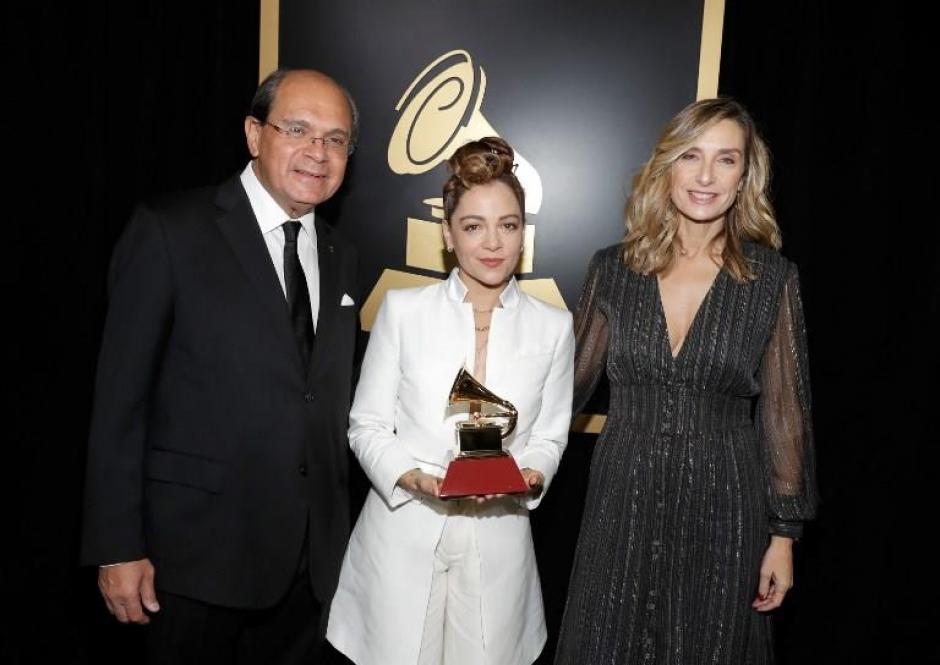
(187, 631)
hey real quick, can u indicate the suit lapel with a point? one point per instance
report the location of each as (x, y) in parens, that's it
(240, 229)
(327, 263)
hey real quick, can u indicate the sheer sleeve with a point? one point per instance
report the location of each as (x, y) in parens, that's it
(590, 331)
(784, 419)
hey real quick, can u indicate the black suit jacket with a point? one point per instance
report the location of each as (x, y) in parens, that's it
(213, 450)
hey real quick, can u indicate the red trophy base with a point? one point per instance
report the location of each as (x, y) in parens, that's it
(497, 474)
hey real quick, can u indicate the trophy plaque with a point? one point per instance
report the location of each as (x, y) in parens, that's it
(481, 466)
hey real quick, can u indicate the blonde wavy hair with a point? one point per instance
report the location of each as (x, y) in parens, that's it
(650, 245)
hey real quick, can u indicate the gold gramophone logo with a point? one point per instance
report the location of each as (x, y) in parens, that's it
(440, 111)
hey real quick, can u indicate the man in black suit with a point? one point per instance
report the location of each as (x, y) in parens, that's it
(216, 490)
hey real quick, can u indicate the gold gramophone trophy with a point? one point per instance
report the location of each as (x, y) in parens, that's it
(481, 465)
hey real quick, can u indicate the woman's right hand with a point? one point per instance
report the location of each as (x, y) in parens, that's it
(418, 482)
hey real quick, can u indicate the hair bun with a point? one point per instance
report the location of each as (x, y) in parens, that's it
(478, 162)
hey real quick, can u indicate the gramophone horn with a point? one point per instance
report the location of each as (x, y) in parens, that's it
(440, 111)
(468, 389)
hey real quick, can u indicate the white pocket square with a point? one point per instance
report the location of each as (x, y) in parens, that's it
(346, 301)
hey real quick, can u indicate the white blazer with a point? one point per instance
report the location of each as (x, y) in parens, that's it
(399, 421)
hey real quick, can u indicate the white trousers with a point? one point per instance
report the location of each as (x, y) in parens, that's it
(453, 627)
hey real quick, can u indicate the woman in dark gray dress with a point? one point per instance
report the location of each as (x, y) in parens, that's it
(703, 474)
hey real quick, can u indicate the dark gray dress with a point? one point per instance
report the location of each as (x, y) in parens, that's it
(703, 457)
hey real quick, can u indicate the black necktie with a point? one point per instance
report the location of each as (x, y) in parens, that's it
(298, 296)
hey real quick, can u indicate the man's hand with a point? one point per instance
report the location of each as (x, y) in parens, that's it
(127, 589)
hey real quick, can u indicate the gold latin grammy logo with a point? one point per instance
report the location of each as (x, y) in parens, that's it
(439, 112)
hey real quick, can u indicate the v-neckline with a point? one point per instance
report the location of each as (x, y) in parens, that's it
(674, 357)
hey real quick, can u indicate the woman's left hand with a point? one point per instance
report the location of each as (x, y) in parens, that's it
(534, 479)
(776, 574)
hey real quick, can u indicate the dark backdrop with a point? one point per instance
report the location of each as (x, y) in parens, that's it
(580, 94)
(111, 102)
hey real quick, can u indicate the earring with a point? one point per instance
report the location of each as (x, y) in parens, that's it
(450, 250)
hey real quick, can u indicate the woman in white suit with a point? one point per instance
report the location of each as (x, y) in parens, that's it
(427, 581)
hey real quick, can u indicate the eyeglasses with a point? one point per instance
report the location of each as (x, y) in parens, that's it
(332, 144)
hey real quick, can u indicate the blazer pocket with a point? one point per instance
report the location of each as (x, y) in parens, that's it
(531, 367)
(166, 466)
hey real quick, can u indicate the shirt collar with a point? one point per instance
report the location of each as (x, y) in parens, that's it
(457, 291)
(268, 213)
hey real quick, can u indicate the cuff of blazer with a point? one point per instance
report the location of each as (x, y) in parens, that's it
(395, 463)
(399, 496)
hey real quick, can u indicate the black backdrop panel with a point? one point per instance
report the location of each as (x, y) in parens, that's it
(580, 90)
